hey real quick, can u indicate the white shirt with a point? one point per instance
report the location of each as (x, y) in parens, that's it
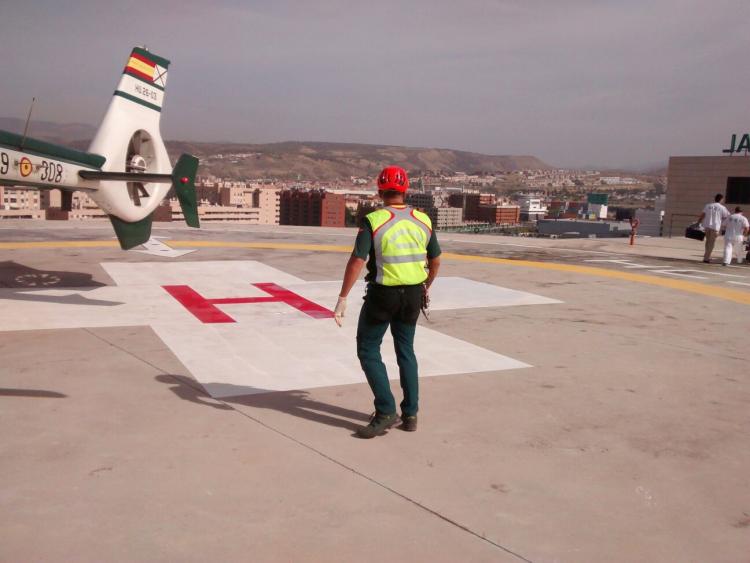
(715, 213)
(736, 225)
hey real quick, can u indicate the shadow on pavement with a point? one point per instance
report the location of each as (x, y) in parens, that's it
(295, 403)
(25, 280)
(190, 390)
(31, 393)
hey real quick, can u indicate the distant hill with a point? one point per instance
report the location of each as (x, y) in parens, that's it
(307, 160)
(63, 133)
(329, 161)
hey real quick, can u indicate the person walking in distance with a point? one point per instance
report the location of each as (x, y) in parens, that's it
(403, 258)
(712, 217)
(737, 227)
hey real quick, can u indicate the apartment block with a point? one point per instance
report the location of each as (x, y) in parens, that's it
(268, 202)
(469, 202)
(500, 214)
(19, 199)
(445, 217)
(312, 208)
(421, 200)
(219, 213)
(234, 196)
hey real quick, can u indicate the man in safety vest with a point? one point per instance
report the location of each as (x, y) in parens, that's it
(403, 258)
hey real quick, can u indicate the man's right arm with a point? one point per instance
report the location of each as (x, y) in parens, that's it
(352, 271)
(433, 265)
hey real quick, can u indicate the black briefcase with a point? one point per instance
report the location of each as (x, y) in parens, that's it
(695, 232)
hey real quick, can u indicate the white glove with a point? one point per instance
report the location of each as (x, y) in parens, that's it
(338, 312)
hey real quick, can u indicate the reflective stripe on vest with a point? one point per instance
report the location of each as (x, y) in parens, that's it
(400, 238)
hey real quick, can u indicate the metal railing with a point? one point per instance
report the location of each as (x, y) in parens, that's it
(488, 228)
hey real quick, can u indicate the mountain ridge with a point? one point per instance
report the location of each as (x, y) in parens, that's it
(309, 160)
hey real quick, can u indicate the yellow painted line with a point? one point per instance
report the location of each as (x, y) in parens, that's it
(720, 292)
(693, 287)
(263, 245)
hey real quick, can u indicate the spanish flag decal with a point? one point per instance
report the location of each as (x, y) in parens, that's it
(141, 67)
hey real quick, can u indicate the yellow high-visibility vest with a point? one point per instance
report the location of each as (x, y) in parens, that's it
(400, 238)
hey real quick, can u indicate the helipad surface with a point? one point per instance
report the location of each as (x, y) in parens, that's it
(580, 401)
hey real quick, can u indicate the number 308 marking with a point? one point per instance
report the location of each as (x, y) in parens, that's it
(51, 172)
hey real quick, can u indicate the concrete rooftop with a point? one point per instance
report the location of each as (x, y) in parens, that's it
(625, 438)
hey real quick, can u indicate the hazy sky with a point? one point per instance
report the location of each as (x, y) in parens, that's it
(618, 83)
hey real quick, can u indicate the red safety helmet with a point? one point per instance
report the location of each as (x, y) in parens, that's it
(393, 178)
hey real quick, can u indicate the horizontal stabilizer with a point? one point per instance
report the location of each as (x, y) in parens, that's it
(125, 176)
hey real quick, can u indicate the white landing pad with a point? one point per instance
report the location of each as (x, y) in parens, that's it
(264, 343)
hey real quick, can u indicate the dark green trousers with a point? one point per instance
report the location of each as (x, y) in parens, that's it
(370, 333)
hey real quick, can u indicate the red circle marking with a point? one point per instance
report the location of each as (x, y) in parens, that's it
(25, 167)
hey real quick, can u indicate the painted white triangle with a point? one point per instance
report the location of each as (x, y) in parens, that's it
(155, 247)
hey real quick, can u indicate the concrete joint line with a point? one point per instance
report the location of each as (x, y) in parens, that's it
(321, 454)
(379, 484)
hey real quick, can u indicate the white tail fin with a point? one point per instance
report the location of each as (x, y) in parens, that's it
(130, 138)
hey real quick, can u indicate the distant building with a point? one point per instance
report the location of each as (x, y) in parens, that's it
(597, 205)
(500, 214)
(617, 180)
(249, 196)
(49, 198)
(19, 199)
(20, 204)
(268, 203)
(208, 193)
(575, 208)
(469, 201)
(234, 196)
(556, 208)
(693, 181)
(69, 206)
(532, 208)
(487, 199)
(423, 201)
(312, 208)
(437, 205)
(445, 217)
(219, 213)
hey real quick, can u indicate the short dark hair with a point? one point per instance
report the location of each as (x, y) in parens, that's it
(390, 193)
(738, 209)
(718, 197)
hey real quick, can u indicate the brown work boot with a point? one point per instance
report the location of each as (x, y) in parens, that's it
(379, 423)
(408, 423)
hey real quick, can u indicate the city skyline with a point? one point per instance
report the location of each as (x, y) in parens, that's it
(611, 85)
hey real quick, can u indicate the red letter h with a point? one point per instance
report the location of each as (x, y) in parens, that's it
(205, 310)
